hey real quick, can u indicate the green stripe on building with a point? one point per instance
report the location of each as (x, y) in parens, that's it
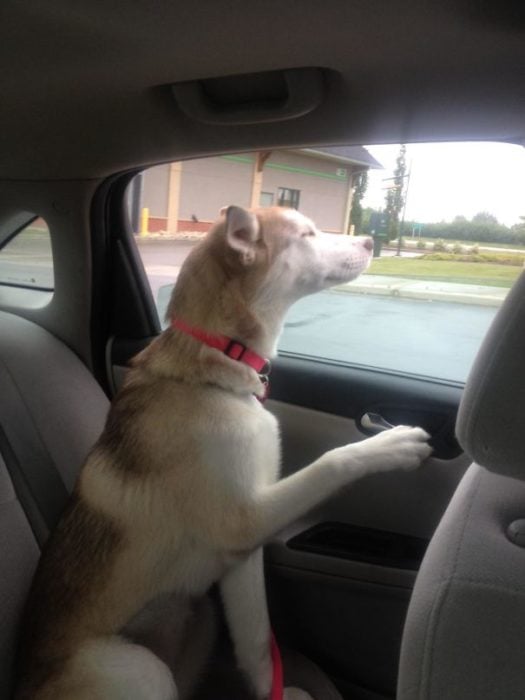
(239, 159)
(289, 168)
(304, 171)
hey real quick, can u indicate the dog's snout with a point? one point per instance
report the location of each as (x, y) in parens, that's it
(368, 243)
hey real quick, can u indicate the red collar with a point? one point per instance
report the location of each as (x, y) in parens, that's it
(230, 347)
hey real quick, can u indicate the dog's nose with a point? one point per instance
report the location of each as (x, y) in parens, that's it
(368, 243)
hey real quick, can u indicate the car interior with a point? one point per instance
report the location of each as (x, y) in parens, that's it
(407, 585)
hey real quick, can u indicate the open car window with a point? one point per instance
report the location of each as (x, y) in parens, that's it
(449, 241)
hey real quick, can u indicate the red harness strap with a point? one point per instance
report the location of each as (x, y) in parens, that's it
(277, 682)
(230, 347)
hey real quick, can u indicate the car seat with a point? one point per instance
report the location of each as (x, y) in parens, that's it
(464, 636)
(51, 412)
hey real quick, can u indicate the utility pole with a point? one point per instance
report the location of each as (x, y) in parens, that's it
(402, 224)
(396, 186)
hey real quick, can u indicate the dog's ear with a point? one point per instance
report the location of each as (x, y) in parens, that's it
(242, 232)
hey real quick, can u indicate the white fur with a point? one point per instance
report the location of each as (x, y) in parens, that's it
(117, 670)
(234, 496)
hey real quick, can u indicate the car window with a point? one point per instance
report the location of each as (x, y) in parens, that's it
(447, 246)
(26, 260)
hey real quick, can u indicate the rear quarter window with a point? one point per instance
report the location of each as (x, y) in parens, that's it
(26, 260)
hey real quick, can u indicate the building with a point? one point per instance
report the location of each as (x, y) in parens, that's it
(187, 196)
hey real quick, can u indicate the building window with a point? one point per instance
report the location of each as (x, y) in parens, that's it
(288, 197)
(266, 199)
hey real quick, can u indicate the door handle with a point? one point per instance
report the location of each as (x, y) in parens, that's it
(374, 423)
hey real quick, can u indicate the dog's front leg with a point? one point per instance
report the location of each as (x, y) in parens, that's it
(282, 503)
(244, 597)
(245, 522)
(277, 505)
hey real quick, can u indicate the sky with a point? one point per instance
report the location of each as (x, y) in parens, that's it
(452, 179)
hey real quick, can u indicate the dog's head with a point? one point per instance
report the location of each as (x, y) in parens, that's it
(288, 256)
(254, 264)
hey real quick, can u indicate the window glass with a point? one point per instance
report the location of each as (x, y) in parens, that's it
(288, 197)
(448, 226)
(26, 260)
(266, 199)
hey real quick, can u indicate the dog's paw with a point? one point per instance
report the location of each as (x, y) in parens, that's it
(401, 447)
(296, 694)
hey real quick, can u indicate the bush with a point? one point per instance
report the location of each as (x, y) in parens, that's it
(439, 246)
(421, 245)
(483, 232)
(457, 248)
(498, 258)
(483, 228)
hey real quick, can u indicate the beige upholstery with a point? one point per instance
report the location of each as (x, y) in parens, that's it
(464, 636)
(51, 412)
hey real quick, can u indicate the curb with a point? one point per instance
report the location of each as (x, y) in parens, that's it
(427, 295)
(169, 237)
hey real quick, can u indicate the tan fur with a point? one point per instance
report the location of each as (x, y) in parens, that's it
(180, 490)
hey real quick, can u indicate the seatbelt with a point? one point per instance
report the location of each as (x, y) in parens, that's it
(35, 477)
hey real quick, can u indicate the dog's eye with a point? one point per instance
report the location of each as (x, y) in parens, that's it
(307, 234)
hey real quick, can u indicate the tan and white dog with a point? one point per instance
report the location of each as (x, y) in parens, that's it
(182, 489)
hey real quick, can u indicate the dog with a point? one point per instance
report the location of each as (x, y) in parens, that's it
(182, 489)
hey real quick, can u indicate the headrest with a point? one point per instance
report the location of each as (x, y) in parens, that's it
(491, 419)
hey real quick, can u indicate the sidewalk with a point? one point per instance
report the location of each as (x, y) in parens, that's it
(380, 285)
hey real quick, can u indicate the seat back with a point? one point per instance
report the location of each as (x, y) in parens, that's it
(51, 412)
(464, 636)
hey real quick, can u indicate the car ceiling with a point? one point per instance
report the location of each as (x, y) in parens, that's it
(85, 85)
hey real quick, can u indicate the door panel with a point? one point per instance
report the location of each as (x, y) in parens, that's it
(408, 502)
(348, 613)
(348, 627)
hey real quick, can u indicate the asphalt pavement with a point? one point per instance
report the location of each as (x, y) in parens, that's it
(417, 336)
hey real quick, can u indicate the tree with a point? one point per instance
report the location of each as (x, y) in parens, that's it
(394, 196)
(518, 232)
(365, 222)
(356, 215)
(484, 217)
(520, 226)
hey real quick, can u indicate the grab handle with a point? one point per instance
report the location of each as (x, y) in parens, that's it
(303, 93)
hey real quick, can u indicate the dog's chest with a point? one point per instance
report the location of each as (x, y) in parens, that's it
(266, 448)
(244, 450)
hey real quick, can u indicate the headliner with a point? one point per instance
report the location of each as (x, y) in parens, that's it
(85, 88)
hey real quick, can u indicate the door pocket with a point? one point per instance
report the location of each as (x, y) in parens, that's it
(363, 544)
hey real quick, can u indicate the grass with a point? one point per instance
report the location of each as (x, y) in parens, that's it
(489, 274)
(485, 257)
(466, 244)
